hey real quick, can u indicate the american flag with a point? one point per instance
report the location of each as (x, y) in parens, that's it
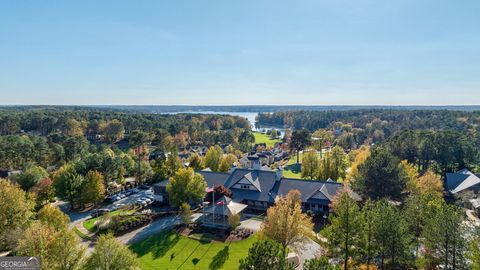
(221, 203)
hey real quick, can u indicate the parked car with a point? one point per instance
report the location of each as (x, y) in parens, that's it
(148, 200)
(144, 187)
(100, 212)
(134, 190)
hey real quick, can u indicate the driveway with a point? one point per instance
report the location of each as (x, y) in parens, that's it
(307, 250)
(251, 224)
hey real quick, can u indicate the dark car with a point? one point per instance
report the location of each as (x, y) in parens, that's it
(144, 187)
(100, 212)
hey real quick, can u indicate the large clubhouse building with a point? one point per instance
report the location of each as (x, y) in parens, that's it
(259, 188)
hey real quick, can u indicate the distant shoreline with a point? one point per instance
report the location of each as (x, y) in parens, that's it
(249, 108)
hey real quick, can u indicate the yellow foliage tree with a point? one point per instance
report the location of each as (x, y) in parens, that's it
(412, 175)
(360, 156)
(285, 222)
(430, 184)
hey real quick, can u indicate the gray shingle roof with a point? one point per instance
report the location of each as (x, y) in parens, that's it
(312, 191)
(461, 180)
(214, 178)
(269, 188)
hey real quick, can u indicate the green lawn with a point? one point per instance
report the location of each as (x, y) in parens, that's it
(168, 250)
(90, 223)
(264, 138)
(292, 169)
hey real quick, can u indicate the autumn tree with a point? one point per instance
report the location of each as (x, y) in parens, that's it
(49, 239)
(234, 221)
(265, 254)
(73, 127)
(213, 157)
(359, 157)
(16, 210)
(227, 162)
(186, 186)
(137, 140)
(53, 216)
(68, 184)
(44, 191)
(333, 164)
(113, 131)
(185, 212)
(339, 162)
(218, 192)
(195, 162)
(93, 188)
(30, 176)
(285, 222)
(173, 162)
(160, 170)
(322, 138)
(412, 176)
(110, 254)
(430, 183)
(310, 165)
(343, 233)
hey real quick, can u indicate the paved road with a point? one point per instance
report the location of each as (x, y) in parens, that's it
(151, 229)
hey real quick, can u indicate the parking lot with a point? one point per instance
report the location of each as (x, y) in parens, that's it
(135, 196)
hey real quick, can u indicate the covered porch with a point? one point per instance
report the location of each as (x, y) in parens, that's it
(217, 214)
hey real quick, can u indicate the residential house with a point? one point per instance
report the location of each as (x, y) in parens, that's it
(461, 181)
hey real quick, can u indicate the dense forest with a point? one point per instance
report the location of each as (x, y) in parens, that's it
(51, 136)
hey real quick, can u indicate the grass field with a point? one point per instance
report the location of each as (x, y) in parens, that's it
(264, 138)
(169, 250)
(292, 169)
(90, 224)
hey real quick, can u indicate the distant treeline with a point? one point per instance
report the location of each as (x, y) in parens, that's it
(236, 108)
(47, 119)
(390, 120)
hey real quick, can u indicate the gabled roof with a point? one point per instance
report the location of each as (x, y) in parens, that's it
(310, 190)
(461, 180)
(214, 178)
(251, 177)
(268, 188)
(225, 207)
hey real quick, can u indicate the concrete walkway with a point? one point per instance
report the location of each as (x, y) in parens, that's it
(306, 251)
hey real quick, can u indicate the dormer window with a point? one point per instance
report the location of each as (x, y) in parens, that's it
(245, 186)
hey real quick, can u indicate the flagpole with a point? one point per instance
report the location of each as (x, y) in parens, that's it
(213, 203)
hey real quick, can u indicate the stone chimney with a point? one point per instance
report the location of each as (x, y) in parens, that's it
(256, 165)
(254, 162)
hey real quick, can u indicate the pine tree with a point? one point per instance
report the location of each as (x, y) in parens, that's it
(343, 233)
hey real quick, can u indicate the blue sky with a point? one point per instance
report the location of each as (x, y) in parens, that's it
(240, 52)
